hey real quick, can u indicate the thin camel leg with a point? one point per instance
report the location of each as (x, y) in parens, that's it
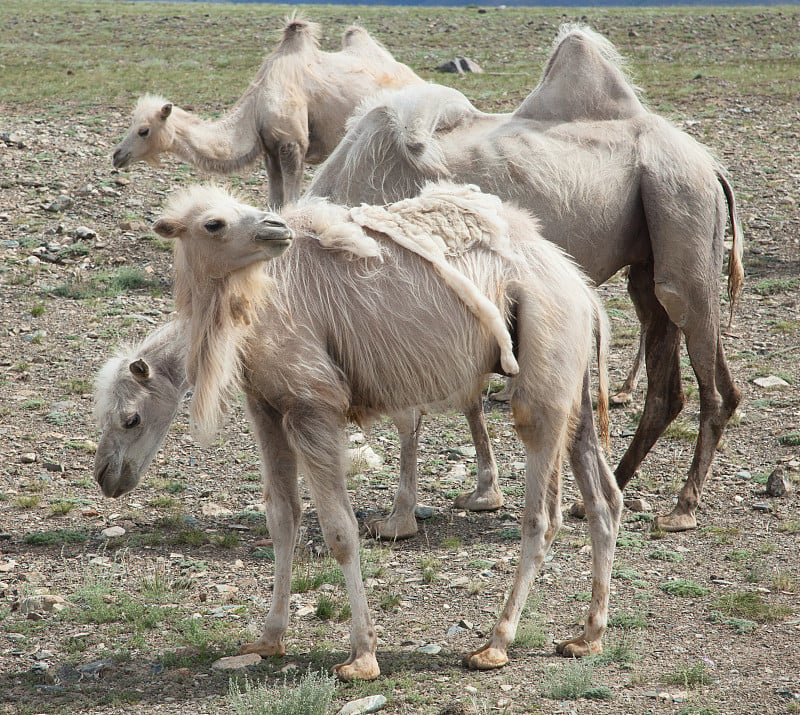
(487, 495)
(401, 523)
(279, 475)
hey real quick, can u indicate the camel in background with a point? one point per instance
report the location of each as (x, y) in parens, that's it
(294, 111)
(346, 325)
(627, 190)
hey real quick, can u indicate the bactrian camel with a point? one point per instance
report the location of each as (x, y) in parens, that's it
(345, 325)
(293, 111)
(630, 190)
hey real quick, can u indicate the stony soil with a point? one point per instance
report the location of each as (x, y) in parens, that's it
(189, 578)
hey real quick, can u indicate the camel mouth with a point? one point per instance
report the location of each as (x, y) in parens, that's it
(276, 236)
(120, 159)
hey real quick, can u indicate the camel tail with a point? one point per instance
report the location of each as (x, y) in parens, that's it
(602, 331)
(735, 267)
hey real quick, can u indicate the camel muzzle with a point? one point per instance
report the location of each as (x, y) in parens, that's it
(120, 159)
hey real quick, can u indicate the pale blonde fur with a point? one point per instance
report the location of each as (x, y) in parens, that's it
(294, 110)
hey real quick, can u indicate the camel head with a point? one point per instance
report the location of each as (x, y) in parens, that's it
(218, 235)
(151, 133)
(137, 394)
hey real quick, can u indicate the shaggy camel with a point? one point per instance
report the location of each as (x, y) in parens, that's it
(629, 191)
(345, 325)
(294, 111)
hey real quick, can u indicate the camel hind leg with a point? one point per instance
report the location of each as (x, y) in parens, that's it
(487, 495)
(664, 398)
(686, 230)
(603, 502)
(543, 431)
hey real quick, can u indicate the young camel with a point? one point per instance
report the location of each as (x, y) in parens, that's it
(345, 325)
(628, 191)
(293, 111)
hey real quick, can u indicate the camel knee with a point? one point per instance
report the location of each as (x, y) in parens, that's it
(673, 301)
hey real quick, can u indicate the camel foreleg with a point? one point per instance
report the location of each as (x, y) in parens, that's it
(279, 474)
(315, 432)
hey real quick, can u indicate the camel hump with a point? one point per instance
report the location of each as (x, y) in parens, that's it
(584, 79)
(298, 32)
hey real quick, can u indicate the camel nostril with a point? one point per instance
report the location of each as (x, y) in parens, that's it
(100, 474)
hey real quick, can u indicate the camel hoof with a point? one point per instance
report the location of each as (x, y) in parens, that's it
(473, 501)
(364, 667)
(579, 647)
(675, 521)
(486, 658)
(620, 399)
(263, 648)
(393, 528)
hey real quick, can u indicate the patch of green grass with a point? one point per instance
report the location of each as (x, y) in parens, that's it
(665, 555)
(451, 543)
(749, 605)
(81, 446)
(771, 286)
(790, 439)
(107, 284)
(681, 429)
(389, 602)
(685, 588)
(228, 540)
(741, 626)
(789, 526)
(27, 501)
(627, 621)
(312, 695)
(37, 310)
(572, 681)
(690, 676)
(722, 534)
(76, 387)
(429, 566)
(61, 507)
(53, 538)
(34, 403)
(311, 574)
(786, 327)
(192, 537)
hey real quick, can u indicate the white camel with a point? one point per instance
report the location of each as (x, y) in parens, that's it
(630, 190)
(293, 111)
(346, 325)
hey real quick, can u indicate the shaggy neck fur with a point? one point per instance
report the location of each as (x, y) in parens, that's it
(218, 313)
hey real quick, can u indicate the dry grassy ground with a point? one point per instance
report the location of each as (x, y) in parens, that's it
(702, 622)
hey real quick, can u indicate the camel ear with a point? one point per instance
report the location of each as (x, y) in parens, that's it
(165, 110)
(168, 228)
(140, 370)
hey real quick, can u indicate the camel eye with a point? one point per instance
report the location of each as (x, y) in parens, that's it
(144, 131)
(133, 421)
(214, 225)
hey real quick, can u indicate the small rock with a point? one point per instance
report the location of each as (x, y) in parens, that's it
(28, 457)
(460, 582)
(423, 512)
(638, 505)
(94, 669)
(214, 510)
(7, 566)
(777, 485)
(454, 629)
(112, 532)
(60, 203)
(772, 382)
(763, 507)
(744, 474)
(363, 457)
(430, 649)
(84, 233)
(41, 603)
(460, 65)
(370, 704)
(236, 662)
(466, 624)
(305, 611)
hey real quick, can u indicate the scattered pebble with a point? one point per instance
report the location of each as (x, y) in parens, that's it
(28, 457)
(237, 662)
(777, 486)
(112, 532)
(370, 704)
(424, 512)
(430, 649)
(772, 382)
